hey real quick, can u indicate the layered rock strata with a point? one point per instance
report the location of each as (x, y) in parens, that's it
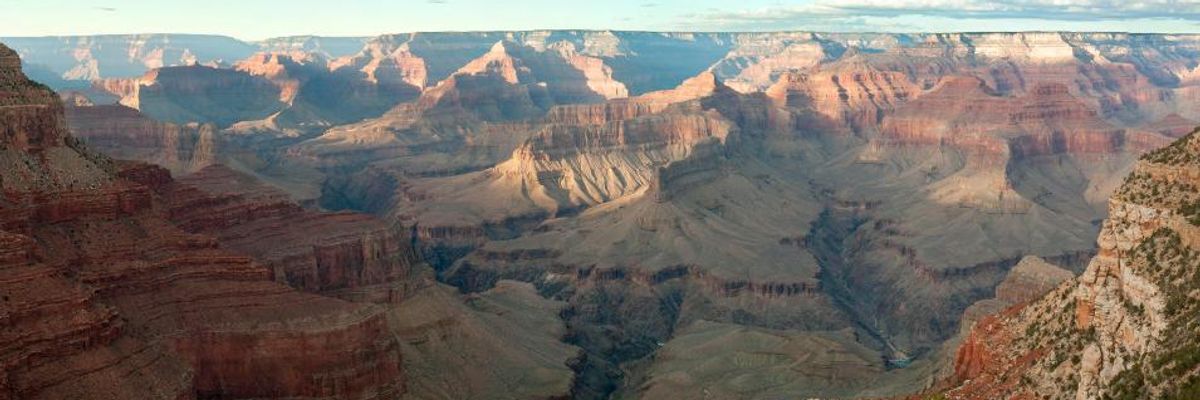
(1122, 329)
(104, 297)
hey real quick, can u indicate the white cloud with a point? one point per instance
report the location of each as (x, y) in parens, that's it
(1039, 9)
(898, 14)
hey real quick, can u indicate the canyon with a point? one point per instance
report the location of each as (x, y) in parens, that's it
(123, 282)
(599, 214)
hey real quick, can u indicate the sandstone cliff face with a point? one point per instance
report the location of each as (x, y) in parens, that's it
(103, 297)
(319, 93)
(344, 254)
(199, 94)
(383, 64)
(755, 65)
(855, 97)
(34, 139)
(126, 134)
(567, 76)
(1048, 120)
(1123, 329)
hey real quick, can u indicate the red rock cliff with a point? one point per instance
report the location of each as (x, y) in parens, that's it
(101, 296)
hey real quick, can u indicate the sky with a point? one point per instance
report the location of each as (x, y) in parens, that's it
(260, 19)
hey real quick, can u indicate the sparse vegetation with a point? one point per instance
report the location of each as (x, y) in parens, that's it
(1178, 153)
(1128, 385)
(1191, 212)
(1170, 371)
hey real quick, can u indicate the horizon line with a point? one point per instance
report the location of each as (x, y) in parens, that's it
(1197, 33)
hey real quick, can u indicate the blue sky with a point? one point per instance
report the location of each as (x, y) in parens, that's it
(258, 19)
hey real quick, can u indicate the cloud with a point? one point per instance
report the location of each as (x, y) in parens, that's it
(438, 1)
(1069, 10)
(886, 14)
(106, 9)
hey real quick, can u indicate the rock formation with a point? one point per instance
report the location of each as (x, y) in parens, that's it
(319, 94)
(125, 133)
(868, 195)
(1124, 328)
(343, 254)
(198, 94)
(104, 297)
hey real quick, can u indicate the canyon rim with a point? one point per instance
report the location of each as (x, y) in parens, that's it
(754, 211)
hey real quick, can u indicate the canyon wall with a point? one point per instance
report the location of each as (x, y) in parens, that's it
(105, 297)
(854, 192)
(1122, 328)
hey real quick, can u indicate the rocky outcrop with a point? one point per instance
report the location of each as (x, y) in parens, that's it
(1048, 120)
(127, 134)
(297, 361)
(395, 66)
(567, 76)
(29, 109)
(199, 94)
(703, 165)
(37, 298)
(702, 85)
(345, 254)
(1029, 279)
(320, 93)
(1119, 329)
(849, 94)
(280, 68)
(757, 64)
(101, 296)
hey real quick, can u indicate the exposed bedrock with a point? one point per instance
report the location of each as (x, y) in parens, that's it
(1122, 328)
(297, 363)
(176, 294)
(881, 185)
(854, 96)
(318, 93)
(143, 269)
(125, 133)
(201, 94)
(103, 296)
(346, 254)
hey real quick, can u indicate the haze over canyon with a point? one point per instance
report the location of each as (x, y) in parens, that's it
(600, 214)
